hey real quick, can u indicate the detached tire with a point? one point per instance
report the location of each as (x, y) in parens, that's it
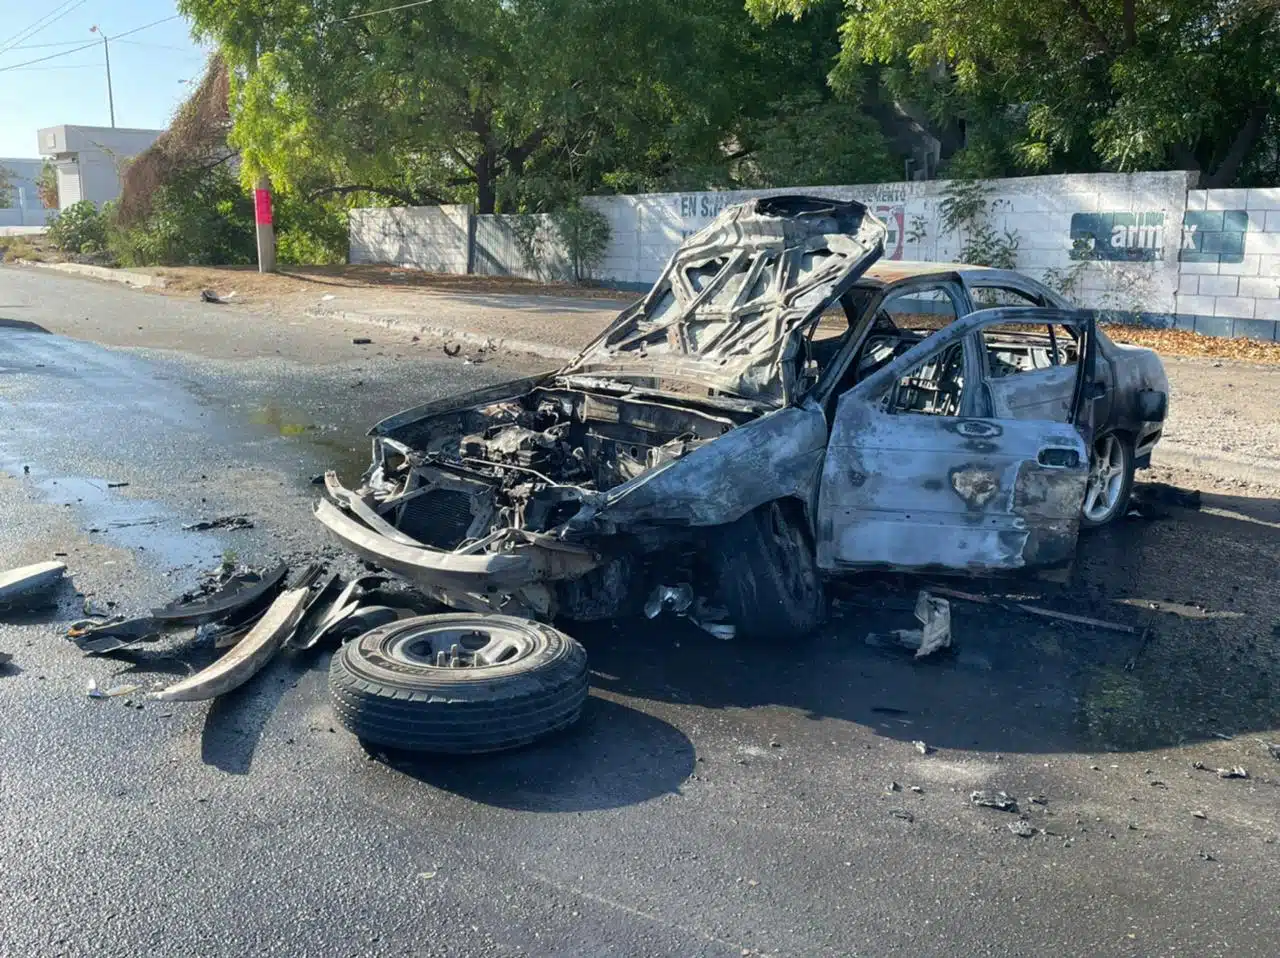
(767, 574)
(458, 683)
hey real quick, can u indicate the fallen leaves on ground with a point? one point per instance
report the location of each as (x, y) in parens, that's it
(1181, 342)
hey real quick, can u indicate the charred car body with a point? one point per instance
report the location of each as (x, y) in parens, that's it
(776, 409)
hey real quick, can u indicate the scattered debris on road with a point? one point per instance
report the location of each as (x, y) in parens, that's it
(1023, 828)
(1001, 801)
(95, 691)
(1035, 610)
(922, 748)
(222, 522)
(209, 296)
(934, 615)
(903, 814)
(223, 594)
(361, 341)
(113, 635)
(30, 583)
(251, 653)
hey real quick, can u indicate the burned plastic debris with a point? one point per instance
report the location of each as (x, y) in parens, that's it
(113, 635)
(221, 522)
(30, 585)
(1001, 801)
(934, 616)
(252, 652)
(234, 593)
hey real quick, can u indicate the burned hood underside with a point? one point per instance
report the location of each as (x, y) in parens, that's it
(725, 309)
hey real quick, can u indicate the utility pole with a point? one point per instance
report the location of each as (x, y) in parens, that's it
(264, 226)
(106, 55)
(263, 221)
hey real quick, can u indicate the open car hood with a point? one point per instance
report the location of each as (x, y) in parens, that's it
(723, 313)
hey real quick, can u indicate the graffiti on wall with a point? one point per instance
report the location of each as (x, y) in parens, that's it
(1130, 237)
(1213, 236)
(696, 210)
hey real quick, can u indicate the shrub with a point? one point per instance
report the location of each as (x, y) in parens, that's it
(198, 219)
(79, 224)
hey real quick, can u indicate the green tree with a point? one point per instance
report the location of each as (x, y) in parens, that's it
(1078, 85)
(7, 192)
(515, 104)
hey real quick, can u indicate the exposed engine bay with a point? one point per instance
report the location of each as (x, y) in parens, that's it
(525, 464)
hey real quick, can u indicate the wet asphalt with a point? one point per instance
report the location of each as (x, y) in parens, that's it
(717, 798)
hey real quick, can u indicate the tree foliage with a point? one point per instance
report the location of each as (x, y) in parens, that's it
(525, 104)
(1078, 85)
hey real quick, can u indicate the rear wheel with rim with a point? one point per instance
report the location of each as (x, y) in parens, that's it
(458, 683)
(1110, 481)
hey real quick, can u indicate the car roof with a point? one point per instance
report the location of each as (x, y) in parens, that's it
(884, 272)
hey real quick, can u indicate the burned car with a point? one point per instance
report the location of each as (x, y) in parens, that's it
(777, 409)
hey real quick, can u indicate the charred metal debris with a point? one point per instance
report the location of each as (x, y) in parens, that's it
(252, 612)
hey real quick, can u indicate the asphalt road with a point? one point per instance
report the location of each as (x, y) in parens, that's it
(717, 799)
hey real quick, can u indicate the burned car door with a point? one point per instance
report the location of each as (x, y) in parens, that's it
(923, 472)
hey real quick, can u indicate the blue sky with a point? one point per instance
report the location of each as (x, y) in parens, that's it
(146, 68)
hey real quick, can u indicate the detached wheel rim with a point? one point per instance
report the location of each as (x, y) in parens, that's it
(447, 647)
(1106, 479)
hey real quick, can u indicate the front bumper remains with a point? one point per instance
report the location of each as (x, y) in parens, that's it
(479, 575)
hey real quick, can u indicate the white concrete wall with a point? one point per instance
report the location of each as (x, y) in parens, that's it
(22, 207)
(432, 238)
(1139, 275)
(1141, 247)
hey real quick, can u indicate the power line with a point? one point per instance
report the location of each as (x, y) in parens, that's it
(77, 66)
(51, 56)
(371, 13)
(146, 26)
(160, 46)
(65, 53)
(43, 46)
(54, 15)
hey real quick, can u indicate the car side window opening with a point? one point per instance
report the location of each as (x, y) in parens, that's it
(901, 320)
(1014, 348)
(932, 388)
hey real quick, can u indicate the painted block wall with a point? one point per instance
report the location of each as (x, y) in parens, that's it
(1140, 247)
(1229, 281)
(432, 238)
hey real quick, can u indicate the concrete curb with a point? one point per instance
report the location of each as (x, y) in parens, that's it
(126, 276)
(414, 324)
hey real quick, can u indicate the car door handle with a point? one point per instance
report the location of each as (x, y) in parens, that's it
(1056, 457)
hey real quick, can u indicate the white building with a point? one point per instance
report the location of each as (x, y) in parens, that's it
(89, 159)
(20, 205)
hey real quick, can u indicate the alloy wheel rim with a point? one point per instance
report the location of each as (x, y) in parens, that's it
(1106, 477)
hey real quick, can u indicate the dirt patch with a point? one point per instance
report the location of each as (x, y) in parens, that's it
(292, 280)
